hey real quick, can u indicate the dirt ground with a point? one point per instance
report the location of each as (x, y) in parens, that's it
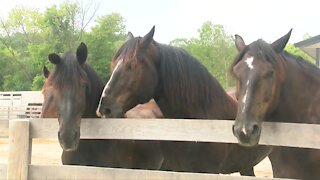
(48, 152)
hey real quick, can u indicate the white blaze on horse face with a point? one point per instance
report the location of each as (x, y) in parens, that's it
(244, 100)
(249, 62)
(244, 131)
(107, 86)
(110, 79)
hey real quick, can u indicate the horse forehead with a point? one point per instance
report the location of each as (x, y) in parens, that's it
(256, 63)
(245, 64)
(68, 56)
(249, 62)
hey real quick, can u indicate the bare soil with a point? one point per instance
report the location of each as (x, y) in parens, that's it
(48, 152)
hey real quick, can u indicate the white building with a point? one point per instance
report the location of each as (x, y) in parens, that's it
(20, 104)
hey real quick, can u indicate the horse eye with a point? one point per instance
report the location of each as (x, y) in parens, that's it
(269, 74)
(129, 66)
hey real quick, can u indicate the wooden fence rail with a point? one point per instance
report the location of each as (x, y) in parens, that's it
(278, 134)
(283, 134)
(39, 172)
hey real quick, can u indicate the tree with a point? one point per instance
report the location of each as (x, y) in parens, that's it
(28, 36)
(16, 33)
(103, 41)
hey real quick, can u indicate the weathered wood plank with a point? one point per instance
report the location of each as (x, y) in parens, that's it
(81, 172)
(4, 128)
(279, 134)
(18, 159)
(291, 134)
(3, 171)
(45, 128)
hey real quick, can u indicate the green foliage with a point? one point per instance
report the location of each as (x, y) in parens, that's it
(60, 26)
(5, 65)
(37, 82)
(214, 48)
(27, 36)
(16, 81)
(104, 39)
(298, 52)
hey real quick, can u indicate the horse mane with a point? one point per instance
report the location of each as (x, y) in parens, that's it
(301, 63)
(128, 49)
(187, 82)
(93, 91)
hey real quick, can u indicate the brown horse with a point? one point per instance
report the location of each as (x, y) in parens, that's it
(276, 86)
(144, 69)
(146, 110)
(72, 92)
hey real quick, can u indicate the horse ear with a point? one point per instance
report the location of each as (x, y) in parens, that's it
(46, 72)
(129, 36)
(54, 58)
(240, 44)
(82, 53)
(147, 39)
(281, 43)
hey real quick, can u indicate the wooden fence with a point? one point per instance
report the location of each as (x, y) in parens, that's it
(21, 131)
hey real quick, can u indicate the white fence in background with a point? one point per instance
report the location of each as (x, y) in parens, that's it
(20, 104)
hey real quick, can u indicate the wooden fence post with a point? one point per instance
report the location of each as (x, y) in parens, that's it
(19, 155)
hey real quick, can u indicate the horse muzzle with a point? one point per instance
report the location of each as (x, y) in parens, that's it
(247, 134)
(69, 139)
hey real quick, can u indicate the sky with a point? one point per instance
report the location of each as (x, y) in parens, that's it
(251, 19)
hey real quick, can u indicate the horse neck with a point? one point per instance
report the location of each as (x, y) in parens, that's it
(299, 96)
(92, 96)
(223, 107)
(214, 110)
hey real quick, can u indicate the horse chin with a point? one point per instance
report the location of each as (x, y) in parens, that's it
(115, 115)
(69, 146)
(248, 142)
(69, 140)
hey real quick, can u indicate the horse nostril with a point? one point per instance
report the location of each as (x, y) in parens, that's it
(255, 129)
(59, 135)
(107, 111)
(233, 129)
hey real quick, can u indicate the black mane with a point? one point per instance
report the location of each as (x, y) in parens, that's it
(301, 64)
(187, 82)
(128, 49)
